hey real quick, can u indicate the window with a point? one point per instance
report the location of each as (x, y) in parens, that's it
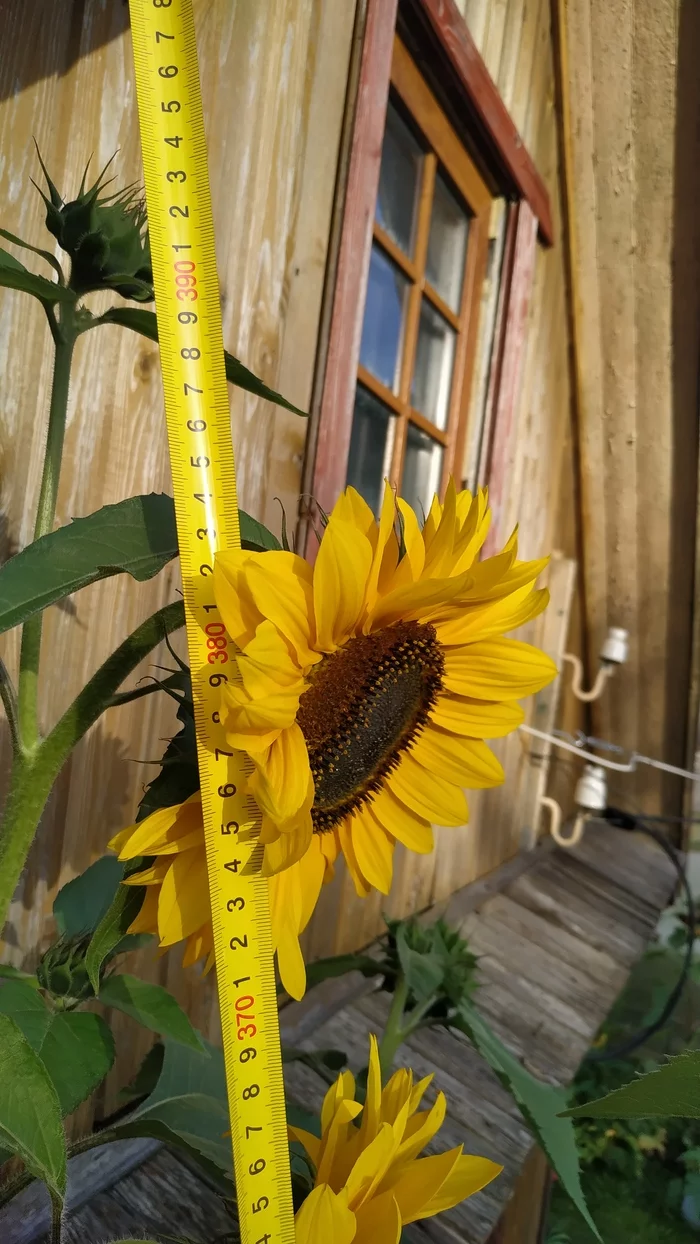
(429, 244)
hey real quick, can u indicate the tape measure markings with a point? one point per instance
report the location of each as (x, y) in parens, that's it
(199, 435)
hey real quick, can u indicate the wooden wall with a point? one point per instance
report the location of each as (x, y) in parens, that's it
(631, 113)
(274, 81)
(515, 39)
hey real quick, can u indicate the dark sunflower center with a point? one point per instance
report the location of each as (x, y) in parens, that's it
(366, 703)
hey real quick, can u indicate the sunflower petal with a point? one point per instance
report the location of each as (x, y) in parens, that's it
(239, 611)
(266, 664)
(287, 849)
(428, 794)
(468, 762)
(340, 581)
(469, 1175)
(280, 784)
(476, 719)
(486, 621)
(162, 831)
(421, 1182)
(379, 1221)
(324, 1216)
(362, 885)
(413, 831)
(374, 849)
(280, 585)
(183, 902)
(497, 669)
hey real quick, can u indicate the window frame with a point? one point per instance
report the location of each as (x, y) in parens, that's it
(512, 172)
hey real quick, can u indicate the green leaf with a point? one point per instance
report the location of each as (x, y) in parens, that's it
(178, 777)
(146, 1077)
(30, 1113)
(50, 259)
(424, 973)
(77, 1051)
(14, 275)
(122, 912)
(136, 537)
(152, 1006)
(21, 1002)
(338, 965)
(145, 322)
(671, 1091)
(188, 1106)
(81, 903)
(539, 1103)
(254, 536)
(16, 974)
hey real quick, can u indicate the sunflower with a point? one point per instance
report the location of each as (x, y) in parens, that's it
(369, 1180)
(368, 684)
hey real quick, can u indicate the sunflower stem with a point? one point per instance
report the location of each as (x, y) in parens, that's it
(393, 1034)
(56, 1218)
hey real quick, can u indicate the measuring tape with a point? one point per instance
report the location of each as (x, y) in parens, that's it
(204, 482)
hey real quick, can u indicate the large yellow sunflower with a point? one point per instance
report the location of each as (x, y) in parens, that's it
(368, 684)
(369, 1180)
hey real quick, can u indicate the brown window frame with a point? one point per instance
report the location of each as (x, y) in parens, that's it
(451, 55)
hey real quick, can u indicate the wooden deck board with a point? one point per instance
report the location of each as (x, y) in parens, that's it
(556, 939)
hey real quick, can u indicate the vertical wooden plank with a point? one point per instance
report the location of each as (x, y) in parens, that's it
(335, 418)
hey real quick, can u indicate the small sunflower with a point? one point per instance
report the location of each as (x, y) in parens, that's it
(368, 684)
(369, 1180)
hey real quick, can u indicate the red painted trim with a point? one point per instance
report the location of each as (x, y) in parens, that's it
(451, 32)
(338, 398)
(514, 302)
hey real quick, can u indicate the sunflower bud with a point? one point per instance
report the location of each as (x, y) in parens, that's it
(62, 970)
(106, 238)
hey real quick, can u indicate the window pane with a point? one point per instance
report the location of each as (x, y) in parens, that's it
(370, 447)
(422, 469)
(432, 377)
(447, 245)
(382, 328)
(399, 178)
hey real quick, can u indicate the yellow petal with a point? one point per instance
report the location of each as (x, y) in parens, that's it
(417, 601)
(475, 718)
(420, 1182)
(285, 919)
(340, 581)
(371, 1111)
(360, 882)
(413, 831)
(468, 762)
(396, 1094)
(374, 849)
(280, 783)
(410, 568)
(183, 905)
(371, 1166)
(386, 552)
(154, 874)
(280, 584)
(486, 621)
(160, 833)
(335, 1139)
(352, 508)
(428, 794)
(311, 1143)
(266, 663)
(199, 944)
(430, 1123)
(438, 547)
(147, 919)
(379, 1221)
(497, 669)
(324, 1217)
(287, 849)
(239, 612)
(468, 1176)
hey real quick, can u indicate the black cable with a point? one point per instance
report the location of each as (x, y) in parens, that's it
(630, 822)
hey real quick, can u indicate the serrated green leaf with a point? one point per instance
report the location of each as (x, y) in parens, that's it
(188, 1106)
(115, 923)
(23, 1004)
(671, 1091)
(30, 1113)
(539, 1103)
(14, 275)
(77, 1051)
(144, 322)
(150, 1005)
(424, 973)
(137, 537)
(81, 903)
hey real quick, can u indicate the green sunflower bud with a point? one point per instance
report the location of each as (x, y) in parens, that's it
(106, 238)
(62, 972)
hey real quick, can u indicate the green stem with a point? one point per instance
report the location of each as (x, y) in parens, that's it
(56, 1218)
(14, 1186)
(34, 775)
(393, 1033)
(30, 650)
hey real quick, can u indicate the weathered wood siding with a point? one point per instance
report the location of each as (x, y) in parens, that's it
(632, 142)
(538, 490)
(274, 82)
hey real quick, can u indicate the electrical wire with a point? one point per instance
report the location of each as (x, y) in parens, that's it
(630, 822)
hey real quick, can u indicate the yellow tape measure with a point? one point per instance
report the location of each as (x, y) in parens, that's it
(204, 482)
